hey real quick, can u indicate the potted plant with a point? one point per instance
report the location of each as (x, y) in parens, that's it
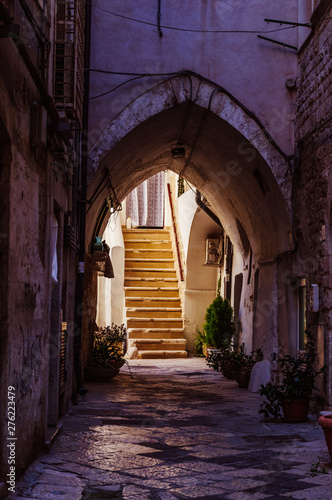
(294, 386)
(108, 350)
(325, 421)
(221, 360)
(244, 363)
(219, 323)
(200, 342)
(235, 363)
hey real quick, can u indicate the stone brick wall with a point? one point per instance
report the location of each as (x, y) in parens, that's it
(312, 179)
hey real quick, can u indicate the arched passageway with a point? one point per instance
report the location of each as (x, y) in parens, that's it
(233, 162)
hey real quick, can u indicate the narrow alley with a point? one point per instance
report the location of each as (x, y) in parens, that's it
(175, 429)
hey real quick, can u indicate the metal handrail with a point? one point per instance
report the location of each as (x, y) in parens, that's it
(175, 231)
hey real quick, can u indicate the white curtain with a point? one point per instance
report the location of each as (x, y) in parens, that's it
(145, 204)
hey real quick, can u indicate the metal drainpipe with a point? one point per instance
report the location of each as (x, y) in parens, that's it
(82, 208)
(209, 212)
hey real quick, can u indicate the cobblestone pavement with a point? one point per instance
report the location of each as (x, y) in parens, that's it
(178, 430)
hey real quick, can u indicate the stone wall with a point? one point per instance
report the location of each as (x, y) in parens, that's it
(33, 187)
(312, 178)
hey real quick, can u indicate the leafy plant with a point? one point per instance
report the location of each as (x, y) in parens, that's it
(230, 360)
(219, 322)
(297, 377)
(317, 469)
(200, 340)
(108, 345)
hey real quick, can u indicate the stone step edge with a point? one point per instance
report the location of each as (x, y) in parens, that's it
(151, 289)
(145, 240)
(158, 299)
(153, 309)
(164, 229)
(152, 250)
(165, 320)
(161, 354)
(149, 269)
(152, 279)
(148, 259)
(156, 336)
(158, 341)
(155, 330)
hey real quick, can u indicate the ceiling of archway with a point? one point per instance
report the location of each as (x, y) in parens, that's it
(233, 176)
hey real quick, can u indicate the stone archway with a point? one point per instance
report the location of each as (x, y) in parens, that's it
(230, 158)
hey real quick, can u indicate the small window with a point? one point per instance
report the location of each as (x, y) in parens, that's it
(302, 324)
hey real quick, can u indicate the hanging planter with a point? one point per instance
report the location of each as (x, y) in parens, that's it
(326, 423)
(180, 186)
(101, 263)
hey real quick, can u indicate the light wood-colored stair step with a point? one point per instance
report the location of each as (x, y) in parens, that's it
(153, 302)
(159, 344)
(161, 333)
(152, 312)
(147, 253)
(148, 245)
(151, 282)
(149, 263)
(145, 234)
(150, 291)
(154, 323)
(149, 273)
(161, 354)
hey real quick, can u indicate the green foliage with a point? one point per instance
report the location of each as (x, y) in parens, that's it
(219, 286)
(219, 322)
(272, 405)
(200, 339)
(297, 379)
(229, 361)
(108, 345)
(180, 186)
(317, 469)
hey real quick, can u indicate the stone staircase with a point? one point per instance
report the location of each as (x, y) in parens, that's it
(153, 306)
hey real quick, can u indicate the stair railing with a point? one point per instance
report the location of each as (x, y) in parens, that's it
(175, 230)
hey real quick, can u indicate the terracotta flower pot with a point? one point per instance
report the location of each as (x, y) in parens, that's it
(295, 410)
(118, 364)
(97, 374)
(326, 423)
(243, 377)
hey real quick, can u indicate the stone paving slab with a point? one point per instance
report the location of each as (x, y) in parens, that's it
(175, 429)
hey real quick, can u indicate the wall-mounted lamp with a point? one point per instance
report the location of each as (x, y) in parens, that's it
(212, 251)
(178, 150)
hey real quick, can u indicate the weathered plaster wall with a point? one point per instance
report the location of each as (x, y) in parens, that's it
(312, 180)
(29, 189)
(110, 305)
(24, 359)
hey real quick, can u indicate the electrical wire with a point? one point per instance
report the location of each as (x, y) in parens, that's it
(115, 88)
(190, 30)
(141, 75)
(193, 190)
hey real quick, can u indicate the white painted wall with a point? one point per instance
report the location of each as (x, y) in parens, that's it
(110, 305)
